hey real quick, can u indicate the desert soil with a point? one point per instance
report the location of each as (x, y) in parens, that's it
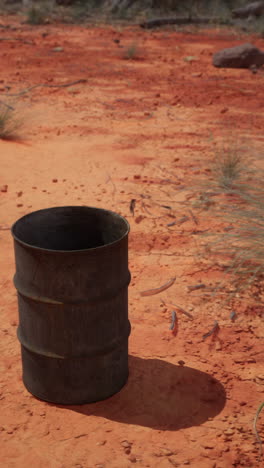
(143, 129)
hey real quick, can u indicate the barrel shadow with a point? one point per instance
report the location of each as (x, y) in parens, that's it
(161, 395)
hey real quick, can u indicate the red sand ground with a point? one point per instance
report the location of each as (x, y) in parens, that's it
(142, 129)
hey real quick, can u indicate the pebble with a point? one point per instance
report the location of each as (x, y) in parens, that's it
(103, 442)
(132, 458)
(208, 446)
(164, 452)
(126, 444)
(139, 218)
(4, 188)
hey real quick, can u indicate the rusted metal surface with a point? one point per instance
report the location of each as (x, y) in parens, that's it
(72, 281)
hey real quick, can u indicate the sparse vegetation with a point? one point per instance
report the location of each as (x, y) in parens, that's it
(36, 16)
(9, 124)
(228, 167)
(236, 195)
(131, 52)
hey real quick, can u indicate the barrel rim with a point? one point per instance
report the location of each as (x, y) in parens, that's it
(70, 251)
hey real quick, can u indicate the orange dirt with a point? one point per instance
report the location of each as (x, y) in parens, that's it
(138, 129)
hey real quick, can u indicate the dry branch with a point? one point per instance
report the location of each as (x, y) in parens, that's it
(151, 292)
(182, 20)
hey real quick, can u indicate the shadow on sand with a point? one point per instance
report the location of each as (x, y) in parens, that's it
(161, 395)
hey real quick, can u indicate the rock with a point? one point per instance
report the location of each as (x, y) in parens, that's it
(4, 188)
(252, 9)
(242, 56)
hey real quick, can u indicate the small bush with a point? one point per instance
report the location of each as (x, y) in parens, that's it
(131, 52)
(228, 167)
(36, 16)
(235, 195)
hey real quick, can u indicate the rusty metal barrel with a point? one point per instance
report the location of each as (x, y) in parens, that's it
(72, 282)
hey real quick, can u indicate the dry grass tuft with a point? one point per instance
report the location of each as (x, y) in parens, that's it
(9, 124)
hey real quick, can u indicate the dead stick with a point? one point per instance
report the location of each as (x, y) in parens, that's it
(213, 331)
(255, 428)
(7, 105)
(173, 320)
(194, 218)
(195, 287)
(177, 307)
(64, 85)
(16, 39)
(151, 292)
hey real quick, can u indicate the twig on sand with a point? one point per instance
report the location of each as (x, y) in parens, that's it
(255, 428)
(109, 179)
(145, 208)
(63, 85)
(151, 292)
(17, 39)
(233, 316)
(195, 287)
(132, 206)
(183, 220)
(177, 307)
(173, 320)
(195, 220)
(6, 105)
(213, 332)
